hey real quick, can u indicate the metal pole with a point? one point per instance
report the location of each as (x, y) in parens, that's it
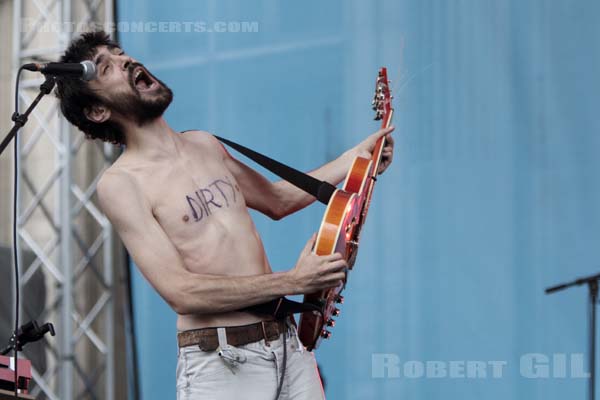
(109, 265)
(66, 328)
(593, 285)
(65, 234)
(110, 306)
(592, 282)
(16, 64)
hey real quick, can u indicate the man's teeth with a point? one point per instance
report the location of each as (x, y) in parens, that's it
(142, 82)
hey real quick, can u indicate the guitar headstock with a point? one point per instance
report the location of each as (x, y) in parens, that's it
(382, 100)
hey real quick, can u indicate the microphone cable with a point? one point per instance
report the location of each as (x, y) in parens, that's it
(280, 386)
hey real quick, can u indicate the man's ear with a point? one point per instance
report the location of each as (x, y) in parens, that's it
(97, 113)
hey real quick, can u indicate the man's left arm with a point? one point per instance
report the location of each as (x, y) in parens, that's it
(281, 198)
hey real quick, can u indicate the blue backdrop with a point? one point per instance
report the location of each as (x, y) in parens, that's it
(493, 194)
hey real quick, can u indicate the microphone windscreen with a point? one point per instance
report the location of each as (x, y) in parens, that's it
(89, 70)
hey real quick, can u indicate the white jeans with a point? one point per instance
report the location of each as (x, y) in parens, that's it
(249, 372)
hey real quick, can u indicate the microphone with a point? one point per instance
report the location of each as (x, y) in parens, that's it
(85, 70)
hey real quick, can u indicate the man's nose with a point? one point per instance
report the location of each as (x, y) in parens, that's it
(126, 61)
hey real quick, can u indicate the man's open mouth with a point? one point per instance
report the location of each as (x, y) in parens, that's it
(142, 80)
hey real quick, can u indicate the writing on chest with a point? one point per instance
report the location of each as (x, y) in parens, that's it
(219, 194)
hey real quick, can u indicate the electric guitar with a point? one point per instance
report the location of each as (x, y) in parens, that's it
(340, 228)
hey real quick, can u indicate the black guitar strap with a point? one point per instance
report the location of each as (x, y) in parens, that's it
(282, 307)
(320, 189)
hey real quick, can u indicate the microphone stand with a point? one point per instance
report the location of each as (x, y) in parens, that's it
(592, 282)
(21, 119)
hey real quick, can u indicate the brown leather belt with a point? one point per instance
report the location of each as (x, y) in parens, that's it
(208, 340)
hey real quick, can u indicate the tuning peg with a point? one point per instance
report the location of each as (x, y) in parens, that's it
(325, 334)
(330, 322)
(336, 312)
(339, 299)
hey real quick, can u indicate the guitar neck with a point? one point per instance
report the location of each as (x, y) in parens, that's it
(380, 144)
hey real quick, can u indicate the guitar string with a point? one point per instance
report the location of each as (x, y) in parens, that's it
(408, 79)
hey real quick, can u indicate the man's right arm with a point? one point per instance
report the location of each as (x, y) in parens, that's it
(191, 293)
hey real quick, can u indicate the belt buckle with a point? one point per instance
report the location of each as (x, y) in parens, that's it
(264, 333)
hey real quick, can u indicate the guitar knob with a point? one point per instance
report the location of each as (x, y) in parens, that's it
(330, 322)
(325, 334)
(339, 299)
(336, 312)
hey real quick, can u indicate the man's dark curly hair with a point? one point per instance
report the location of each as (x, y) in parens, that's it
(75, 95)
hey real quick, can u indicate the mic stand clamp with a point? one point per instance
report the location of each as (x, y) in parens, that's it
(21, 119)
(28, 333)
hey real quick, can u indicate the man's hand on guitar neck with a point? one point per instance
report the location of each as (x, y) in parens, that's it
(365, 148)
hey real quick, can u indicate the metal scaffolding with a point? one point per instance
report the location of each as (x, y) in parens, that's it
(58, 219)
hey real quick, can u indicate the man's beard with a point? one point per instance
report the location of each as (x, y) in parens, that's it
(142, 108)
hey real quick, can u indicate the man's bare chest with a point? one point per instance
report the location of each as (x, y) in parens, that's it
(189, 195)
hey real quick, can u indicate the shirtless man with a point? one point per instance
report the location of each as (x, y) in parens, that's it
(179, 203)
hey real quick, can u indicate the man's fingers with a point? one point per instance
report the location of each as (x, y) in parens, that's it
(333, 268)
(332, 279)
(332, 257)
(336, 277)
(387, 131)
(310, 244)
(338, 265)
(389, 139)
(384, 131)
